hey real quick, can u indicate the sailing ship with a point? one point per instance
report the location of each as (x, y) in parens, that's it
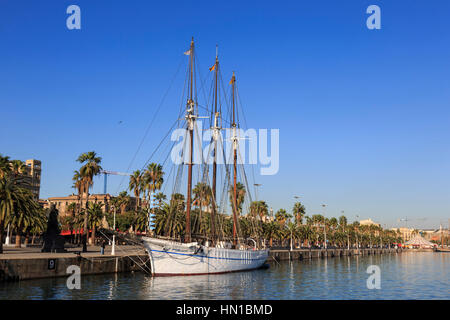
(216, 255)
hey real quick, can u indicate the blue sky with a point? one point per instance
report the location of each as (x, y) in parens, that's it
(363, 114)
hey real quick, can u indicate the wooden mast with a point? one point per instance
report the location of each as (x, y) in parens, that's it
(233, 126)
(216, 135)
(190, 119)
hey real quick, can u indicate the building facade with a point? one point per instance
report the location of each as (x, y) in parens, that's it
(406, 233)
(30, 177)
(368, 222)
(63, 203)
(33, 175)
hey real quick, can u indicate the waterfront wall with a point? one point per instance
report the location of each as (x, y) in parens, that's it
(22, 269)
(35, 268)
(301, 254)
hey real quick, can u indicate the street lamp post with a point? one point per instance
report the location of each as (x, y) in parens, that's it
(357, 243)
(256, 196)
(324, 226)
(113, 249)
(256, 189)
(348, 235)
(7, 240)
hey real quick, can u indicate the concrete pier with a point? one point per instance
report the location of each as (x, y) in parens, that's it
(22, 264)
(30, 263)
(301, 254)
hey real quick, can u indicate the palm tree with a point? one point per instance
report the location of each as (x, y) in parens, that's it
(23, 211)
(91, 167)
(160, 197)
(240, 197)
(259, 209)
(153, 177)
(18, 168)
(281, 216)
(202, 195)
(342, 222)
(298, 212)
(136, 184)
(78, 224)
(8, 196)
(141, 222)
(5, 167)
(78, 185)
(270, 231)
(307, 232)
(174, 221)
(123, 200)
(292, 229)
(95, 214)
(38, 225)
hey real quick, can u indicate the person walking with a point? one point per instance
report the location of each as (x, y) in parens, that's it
(102, 249)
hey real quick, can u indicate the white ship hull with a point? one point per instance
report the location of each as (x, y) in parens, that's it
(170, 258)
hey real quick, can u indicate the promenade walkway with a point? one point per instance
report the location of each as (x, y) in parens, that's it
(11, 253)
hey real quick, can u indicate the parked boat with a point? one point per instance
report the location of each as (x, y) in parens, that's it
(215, 254)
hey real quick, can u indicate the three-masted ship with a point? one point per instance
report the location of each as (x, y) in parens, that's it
(215, 255)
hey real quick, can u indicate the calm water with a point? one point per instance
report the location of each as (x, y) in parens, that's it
(403, 276)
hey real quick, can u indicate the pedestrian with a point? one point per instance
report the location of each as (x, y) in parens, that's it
(102, 249)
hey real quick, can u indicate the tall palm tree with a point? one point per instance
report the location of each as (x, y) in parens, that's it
(292, 232)
(136, 185)
(202, 194)
(298, 211)
(91, 167)
(8, 194)
(343, 222)
(78, 184)
(153, 177)
(123, 200)
(281, 216)
(23, 211)
(240, 195)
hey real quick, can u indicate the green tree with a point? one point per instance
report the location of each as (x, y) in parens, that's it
(160, 198)
(299, 211)
(5, 167)
(95, 214)
(282, 216)
(136, 185)
(240, 196)
(259, 209)
(24, 209)
(91, 167)
(153, 178)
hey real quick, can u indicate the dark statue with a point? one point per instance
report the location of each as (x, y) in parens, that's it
(53, 241)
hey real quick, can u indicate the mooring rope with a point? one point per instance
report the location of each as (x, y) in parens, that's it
(129, 256)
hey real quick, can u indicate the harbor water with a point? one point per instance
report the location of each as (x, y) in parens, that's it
(408, 275)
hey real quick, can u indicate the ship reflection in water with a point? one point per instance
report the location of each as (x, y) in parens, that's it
(403, 276)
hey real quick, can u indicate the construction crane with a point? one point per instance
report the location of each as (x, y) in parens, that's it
(406, 220)
(106, 173)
